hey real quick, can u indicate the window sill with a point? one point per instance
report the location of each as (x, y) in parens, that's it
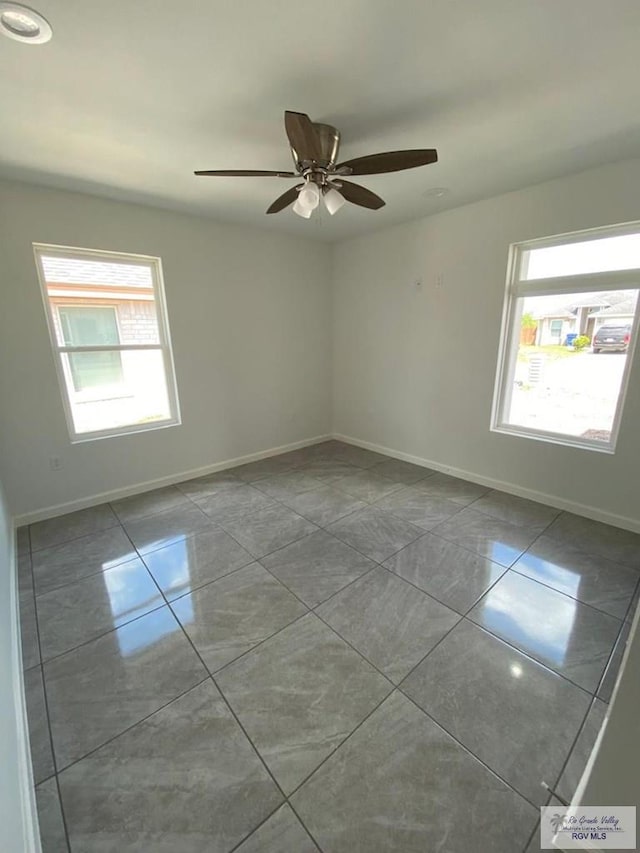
(131, 429)
(553, 438)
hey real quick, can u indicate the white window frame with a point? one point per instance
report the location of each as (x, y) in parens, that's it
(517, 288)
(163, 345)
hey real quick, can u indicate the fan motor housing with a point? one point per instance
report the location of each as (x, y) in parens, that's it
(328, 138)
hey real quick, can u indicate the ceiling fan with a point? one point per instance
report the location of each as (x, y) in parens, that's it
(314, 148)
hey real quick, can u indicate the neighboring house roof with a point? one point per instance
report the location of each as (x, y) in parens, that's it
(611, 303)
(625, 308)
(75, 271)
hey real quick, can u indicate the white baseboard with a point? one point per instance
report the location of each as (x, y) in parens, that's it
(24, 780)
(148, 485)
(592, 512)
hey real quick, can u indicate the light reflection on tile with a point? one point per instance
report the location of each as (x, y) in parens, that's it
(99, 689)
(570, 637)
(81, 611)
(156, 531)
(490, 537)
(193, 561)
(589, 578)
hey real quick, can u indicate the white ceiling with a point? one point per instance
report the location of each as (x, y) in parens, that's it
(130, 97)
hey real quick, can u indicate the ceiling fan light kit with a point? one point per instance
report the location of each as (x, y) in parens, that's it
(314, 148)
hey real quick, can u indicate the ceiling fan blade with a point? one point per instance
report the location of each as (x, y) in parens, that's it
(285, 199)
(359, 195)
(302, 136)
(390, 161)
(246, 173)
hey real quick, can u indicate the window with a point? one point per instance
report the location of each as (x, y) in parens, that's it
(109, 332)
(569, 330)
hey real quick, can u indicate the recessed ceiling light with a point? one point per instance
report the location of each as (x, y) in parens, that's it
(23, 24)
(436, 192)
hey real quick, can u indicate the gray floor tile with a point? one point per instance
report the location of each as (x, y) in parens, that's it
(534, 844)
(54, 531)
(580, 753)
(367, 486)
(590, 578)
(453, 575)
(452, 488)
(39, 739)
(402, 472)
(29, 633)
(52, 835)
(418, 507)
(107, 685)
(173, 525)
(499, 704)
(148, 503)
(186, 780)
(23, 543)
(358, 456)
(608, 682)
(230, 505)
(209, 484)
(268, 529)
(375, 533)
(230, 616)
(287, 485)
(615, 544)
(262, 468)
(299, 694)
(497, 540)
(55, 567)
(323, 506)
(282, 833)
(25, 576)
(516, 510)
(400, 783)
(329, 471)
(317, 566)
(201, 558)
(633, 606)
(570, 638)
(388, 621)
(84, 610)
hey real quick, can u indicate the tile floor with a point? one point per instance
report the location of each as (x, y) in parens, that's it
(327, 650)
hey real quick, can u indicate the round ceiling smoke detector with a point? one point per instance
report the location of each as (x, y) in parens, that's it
(24, 24)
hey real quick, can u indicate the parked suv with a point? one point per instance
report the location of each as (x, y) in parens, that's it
(613, 338)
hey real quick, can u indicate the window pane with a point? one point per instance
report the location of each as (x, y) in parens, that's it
(138, 397)
(101, 302)
(569, 363)
(87, 326)
(602, 255)
(95, 369)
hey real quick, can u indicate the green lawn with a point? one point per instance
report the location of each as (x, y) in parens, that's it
(552, 351)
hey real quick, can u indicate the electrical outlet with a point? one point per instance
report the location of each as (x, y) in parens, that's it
(55, 463)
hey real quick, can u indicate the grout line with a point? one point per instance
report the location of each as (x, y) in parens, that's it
(73, 538)
(132, 726)
(48, 716)
(224, 698)
(470, 751)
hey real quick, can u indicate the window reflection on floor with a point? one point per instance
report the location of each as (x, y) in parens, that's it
(124, 588)
(539, 623)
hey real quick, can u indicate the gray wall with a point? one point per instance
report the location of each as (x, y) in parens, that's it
(249, 312)
(414, 368)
